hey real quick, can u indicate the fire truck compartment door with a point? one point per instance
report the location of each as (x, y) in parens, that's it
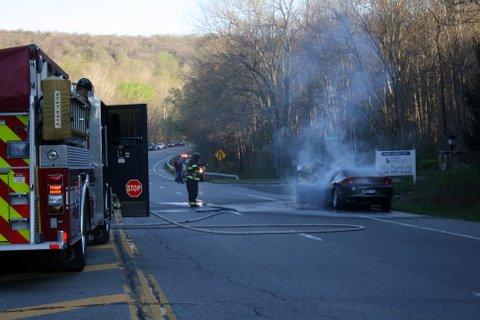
(127, 157)
(14, 179)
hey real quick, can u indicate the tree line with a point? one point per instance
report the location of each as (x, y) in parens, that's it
(123, 69)
(274, 80)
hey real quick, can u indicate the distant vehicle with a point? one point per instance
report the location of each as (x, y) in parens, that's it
(151, 147)
(185, 156)
(171, 144)
(180, 144)
(160, 146)
(357, 187)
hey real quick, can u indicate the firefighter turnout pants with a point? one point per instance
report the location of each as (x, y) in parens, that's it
(192, 188)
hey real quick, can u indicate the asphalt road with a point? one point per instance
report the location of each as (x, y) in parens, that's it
(400, 266)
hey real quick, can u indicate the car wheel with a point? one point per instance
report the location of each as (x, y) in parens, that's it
(336, 201)
(299, 200)
(386, 205)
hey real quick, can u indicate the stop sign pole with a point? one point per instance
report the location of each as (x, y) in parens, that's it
(134, 188)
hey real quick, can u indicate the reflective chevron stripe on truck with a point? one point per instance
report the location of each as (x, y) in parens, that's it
(14, 180)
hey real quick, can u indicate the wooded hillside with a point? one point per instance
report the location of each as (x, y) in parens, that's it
(122, 69)
(281, 82)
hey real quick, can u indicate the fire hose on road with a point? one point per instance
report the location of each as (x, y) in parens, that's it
(309, 227)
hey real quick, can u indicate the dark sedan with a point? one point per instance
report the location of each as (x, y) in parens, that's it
(358, 187)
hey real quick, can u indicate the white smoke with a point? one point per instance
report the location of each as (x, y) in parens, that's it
(350, 74)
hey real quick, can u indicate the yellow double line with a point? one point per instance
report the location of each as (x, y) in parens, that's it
(159, 306)
(152, 296)
(65, 306)
(152, 300)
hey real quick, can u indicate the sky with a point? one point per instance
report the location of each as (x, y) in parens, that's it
(120, 17)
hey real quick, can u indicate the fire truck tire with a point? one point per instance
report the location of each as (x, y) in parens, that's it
(80, 259)
(102, 234)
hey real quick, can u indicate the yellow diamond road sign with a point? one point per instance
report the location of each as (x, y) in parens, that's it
(220, 155)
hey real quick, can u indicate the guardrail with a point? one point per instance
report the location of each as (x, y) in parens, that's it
(225, 175)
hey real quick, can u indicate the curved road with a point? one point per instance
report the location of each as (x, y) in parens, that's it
(401, 266)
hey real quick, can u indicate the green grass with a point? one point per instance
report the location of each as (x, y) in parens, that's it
(454, 194)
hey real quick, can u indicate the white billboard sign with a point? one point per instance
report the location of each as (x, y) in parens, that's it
(396, 163)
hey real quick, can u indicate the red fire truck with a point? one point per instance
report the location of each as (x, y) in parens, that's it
(54, 192)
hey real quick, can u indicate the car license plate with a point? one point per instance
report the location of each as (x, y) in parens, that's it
(369, 191)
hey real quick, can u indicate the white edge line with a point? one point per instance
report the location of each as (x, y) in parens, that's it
(424, 228)
(178, 192)
(157, 173)
(309, 236)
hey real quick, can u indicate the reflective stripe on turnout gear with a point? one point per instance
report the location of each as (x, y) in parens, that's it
(192, 172)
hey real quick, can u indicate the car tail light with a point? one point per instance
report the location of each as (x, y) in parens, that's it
(347, 182)
(388, 181)
(55, 189)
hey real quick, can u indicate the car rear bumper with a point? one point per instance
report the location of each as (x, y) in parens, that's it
(358, 196)
(367, 199)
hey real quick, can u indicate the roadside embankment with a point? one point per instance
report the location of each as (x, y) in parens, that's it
(455, 194)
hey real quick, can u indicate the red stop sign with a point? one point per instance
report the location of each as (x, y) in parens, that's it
(134, 188)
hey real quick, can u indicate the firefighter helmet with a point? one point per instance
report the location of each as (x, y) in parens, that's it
(85, 83)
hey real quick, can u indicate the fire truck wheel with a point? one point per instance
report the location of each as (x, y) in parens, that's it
(79, 249)
(102, 234)
(80, 259)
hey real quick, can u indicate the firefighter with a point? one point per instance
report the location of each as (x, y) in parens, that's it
(192, 179)
(84, 88)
